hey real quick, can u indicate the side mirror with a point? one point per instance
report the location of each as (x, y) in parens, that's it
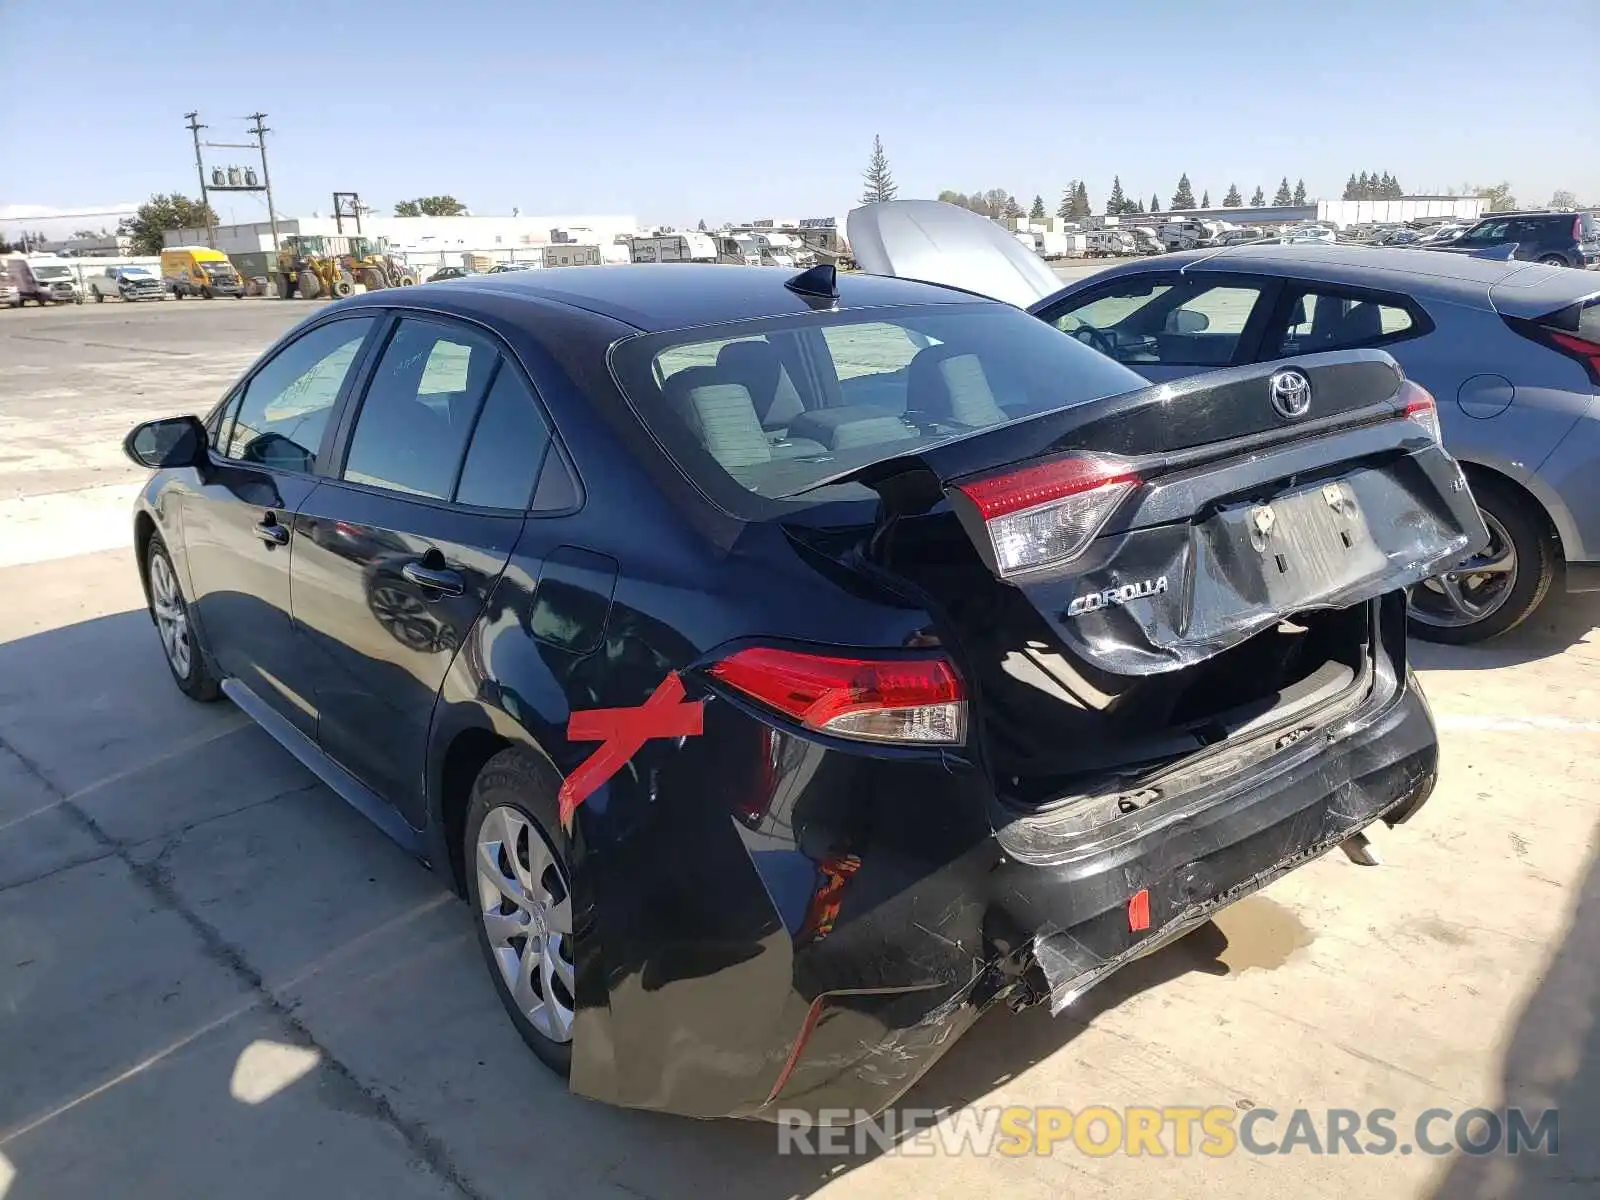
(170, 442)
(1187, 320)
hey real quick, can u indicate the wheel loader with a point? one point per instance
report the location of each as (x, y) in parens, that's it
(311, 266)
(307, 269)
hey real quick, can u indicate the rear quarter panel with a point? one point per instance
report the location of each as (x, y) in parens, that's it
(1472, 362)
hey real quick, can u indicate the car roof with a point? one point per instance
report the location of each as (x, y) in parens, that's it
(654, 296)
(1460, 278)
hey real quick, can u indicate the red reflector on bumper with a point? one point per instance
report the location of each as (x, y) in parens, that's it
(1139, 911)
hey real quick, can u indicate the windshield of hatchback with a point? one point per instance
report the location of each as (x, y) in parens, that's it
(768, 409)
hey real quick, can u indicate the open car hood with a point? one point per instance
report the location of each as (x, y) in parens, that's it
(942, 243)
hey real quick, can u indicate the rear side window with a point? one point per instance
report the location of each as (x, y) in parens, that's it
(769, 409)
(282, 412)
(1325, 319)
(420, 408)
(508, 447)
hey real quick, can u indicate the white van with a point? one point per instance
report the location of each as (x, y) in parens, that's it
(43, 280)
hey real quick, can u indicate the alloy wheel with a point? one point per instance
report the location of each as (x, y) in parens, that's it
(527, 916)
(1473, 590)
(172, 619)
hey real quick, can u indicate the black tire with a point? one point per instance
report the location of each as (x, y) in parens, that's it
(197, 682)
(1538, 561)
(526, 781)
(1553, 260)
(206, 294)
(99, 296)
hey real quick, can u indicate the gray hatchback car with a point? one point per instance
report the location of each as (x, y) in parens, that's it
(1511, 351)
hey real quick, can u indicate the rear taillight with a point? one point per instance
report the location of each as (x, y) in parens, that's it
(1048, 513)
(1577, 230)
(917, 700)
(1422, 408)
(1580, 348)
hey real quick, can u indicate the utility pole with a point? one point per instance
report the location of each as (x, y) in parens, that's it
(261, 131)
(200, 169)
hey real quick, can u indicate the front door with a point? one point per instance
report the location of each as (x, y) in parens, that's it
(237, 527)
(397, 556)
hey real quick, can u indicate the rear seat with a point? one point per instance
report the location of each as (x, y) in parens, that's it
(720, 413)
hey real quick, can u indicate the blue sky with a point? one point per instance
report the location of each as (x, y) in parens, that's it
(734, 110)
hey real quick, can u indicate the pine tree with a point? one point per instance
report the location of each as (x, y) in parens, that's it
(1375, 190)
(702, 225)
(1133, 206)
(1205, 199)
(880, 183)
(1118, 202)
(1155, 202)
(1036, 213)
(1064, 209)
(1233, 199)
(1300, 191)
(1080, 202)
(1283, 194)
(1257, 200)
(1013, 209)
(1350, 188)
(1396, 192)
(1184, 196)
(1364, 187)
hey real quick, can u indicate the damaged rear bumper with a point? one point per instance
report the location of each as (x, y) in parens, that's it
(1053, 929)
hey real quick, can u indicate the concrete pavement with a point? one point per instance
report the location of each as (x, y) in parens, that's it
(215, 978)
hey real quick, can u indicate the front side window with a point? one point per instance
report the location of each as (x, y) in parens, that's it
(419, 409)
(284, 409)
(1325, 320)
(769, 409)
(1486, 233)
(1187, 322)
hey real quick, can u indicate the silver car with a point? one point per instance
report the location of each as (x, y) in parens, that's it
(1511, 351)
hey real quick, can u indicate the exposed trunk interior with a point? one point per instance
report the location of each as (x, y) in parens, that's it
(1056, 728)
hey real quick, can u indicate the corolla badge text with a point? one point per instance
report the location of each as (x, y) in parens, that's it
(1094, 601)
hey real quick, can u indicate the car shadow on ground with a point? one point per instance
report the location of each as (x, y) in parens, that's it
(179, 899)
(1561, 622)
(1551, 1061)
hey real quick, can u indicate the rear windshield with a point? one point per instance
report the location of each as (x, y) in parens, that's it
(759, 412)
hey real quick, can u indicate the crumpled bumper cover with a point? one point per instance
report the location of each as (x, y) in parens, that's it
(1076, 919)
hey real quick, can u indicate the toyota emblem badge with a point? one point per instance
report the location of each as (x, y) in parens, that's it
(1290, 392)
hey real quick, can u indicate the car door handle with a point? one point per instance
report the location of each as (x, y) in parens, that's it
(271, 532)
(446, 583)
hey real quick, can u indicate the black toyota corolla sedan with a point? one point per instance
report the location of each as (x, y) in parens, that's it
(784, 668)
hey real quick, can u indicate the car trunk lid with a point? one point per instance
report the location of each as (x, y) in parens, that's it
(1197, 513)
(942, 243)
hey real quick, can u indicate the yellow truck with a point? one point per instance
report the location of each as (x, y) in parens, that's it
(199, 271)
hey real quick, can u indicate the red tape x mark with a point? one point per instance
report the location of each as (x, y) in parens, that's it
(621, 732)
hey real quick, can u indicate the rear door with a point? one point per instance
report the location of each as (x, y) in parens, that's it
(1169, 324)
(400, 546)
(266, 449)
